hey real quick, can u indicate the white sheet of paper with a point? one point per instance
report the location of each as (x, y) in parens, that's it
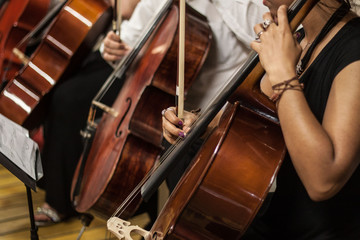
(19, 148)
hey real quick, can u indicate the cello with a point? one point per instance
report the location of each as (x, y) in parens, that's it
(23, 98)
(224, 188)
(17, 18)
(125, 147)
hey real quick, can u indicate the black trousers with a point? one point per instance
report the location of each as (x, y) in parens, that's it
(66, 116)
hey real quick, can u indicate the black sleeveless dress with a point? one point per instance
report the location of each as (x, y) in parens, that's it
(290, 213)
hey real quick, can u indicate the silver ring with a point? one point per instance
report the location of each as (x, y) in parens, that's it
(170, 109)
(258, 35)
(266, 23)
(167, 109)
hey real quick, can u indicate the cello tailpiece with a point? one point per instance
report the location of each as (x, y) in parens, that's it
(105, 108)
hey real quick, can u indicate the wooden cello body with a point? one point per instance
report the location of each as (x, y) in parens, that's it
(70, 37)
(221, 193)
(225, 186)
(126, 147)
(17, 18)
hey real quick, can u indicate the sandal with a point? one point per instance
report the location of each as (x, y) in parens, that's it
(53, 217)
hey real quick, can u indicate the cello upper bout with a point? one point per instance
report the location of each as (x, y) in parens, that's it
(69, 39)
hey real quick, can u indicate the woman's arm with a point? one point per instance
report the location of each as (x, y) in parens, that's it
(324, 155)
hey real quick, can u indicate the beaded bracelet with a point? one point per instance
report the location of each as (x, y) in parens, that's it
(283, 86)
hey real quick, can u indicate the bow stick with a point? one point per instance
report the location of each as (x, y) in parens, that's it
(116, 22)
(179, 100)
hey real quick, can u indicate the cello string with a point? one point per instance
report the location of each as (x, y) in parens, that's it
(124, 63)
(138, 187)
(44, 22)
(120, 210)
(37, 29)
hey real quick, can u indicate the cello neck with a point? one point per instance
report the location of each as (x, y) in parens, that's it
(121, 68)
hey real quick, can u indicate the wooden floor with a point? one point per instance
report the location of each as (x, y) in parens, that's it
(15, 222)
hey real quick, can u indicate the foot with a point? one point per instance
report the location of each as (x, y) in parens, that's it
(46, 215)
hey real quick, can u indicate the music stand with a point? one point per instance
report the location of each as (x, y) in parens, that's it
(29, 184)
(14, 159)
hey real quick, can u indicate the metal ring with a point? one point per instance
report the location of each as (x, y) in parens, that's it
(266, 23)
(167, 109)
(258, 35)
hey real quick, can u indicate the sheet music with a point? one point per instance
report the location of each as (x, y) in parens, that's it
(19, 148)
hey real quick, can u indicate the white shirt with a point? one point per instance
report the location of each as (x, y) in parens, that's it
(231, 22)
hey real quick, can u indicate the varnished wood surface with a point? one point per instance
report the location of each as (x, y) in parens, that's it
(15, 221)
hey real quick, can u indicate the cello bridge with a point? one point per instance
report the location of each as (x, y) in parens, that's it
(123, 230)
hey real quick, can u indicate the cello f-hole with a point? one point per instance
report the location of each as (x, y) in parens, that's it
(118, 132)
